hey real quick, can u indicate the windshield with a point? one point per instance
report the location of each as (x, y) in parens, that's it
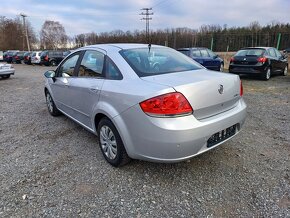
(250, 52)
(157, 61)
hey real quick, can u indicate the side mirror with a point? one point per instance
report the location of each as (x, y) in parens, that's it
(49, 74)
(215, 57)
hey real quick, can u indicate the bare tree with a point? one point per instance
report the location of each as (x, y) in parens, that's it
(53, 35)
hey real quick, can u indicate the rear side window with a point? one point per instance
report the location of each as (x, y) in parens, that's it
(196, 53)
(204, 53)
(92, 64)
(112, 71)
(272, 52)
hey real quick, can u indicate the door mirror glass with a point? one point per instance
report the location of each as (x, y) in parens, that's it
(49, 74)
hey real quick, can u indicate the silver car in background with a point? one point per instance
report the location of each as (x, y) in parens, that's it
(35, 57)
(146, 102)
(6, 70)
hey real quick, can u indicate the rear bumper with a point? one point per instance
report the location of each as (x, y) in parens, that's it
(7, 72)
(237, 69)
(173, 139)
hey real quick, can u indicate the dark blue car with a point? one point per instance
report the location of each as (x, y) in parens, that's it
(205, 57)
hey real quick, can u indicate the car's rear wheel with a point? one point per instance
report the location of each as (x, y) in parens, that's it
(53, 63)
(51, 106)
(111, 143)
(285, 71)
(267, 75)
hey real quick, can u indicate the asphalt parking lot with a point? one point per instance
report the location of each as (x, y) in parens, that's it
(52, 167)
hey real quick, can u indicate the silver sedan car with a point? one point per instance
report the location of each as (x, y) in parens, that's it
(146, 102)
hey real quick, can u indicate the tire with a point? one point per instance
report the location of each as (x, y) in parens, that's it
(111, 144)
(53, 63)
(267, 75)
(222, 68)
(6, 76)
(284, 73)
(51, 106)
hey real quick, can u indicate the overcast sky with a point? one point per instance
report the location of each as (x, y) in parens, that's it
(107, 15)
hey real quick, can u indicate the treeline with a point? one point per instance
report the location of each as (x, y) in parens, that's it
(221, 38)
(13, 34)
(215, 36)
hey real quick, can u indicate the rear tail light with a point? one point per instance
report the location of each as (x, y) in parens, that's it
(262, 60)
(167, 105)
(232, 59)
(241, 88)
(16, 57)
(46, 58)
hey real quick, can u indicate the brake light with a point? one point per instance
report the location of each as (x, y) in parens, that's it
(167, 105)
(241, 88)
(232, 59)
(16, 57)
(262, 59)
(46, 58)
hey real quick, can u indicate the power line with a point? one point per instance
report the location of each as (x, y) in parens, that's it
(146, 13)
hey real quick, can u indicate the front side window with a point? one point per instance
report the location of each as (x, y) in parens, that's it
(157, 60)
(67, 68)
(92, 64)
(211, 53)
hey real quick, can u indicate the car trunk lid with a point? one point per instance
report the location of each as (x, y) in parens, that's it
(209, 93)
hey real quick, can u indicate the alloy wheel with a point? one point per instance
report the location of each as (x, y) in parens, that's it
(108, 142)
(285, 71)
(49, 102)
(268, 74)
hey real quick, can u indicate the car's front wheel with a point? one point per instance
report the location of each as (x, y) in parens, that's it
(222, 68)
(51, 106)
(267, 75)
(111, 143)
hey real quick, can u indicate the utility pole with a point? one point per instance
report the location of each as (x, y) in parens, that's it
(25, 28)
(146, 13)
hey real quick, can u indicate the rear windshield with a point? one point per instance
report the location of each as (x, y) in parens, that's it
(186, 52)
(157, 61)
(250, 52)
(44, 53)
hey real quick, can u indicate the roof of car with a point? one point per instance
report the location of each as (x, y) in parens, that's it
(256, 48)
(192, 48)
(119, 46)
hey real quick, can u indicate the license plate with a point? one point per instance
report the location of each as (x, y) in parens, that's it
(221, 136)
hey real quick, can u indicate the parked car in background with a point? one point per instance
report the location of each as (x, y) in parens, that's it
(6, 70)
(35, 57)
(205, 57)
(27, 57)
(262, 61)
(287, 50)
(8, 55)
(168, 114)
(1, 55)
(51, 58)
(66, 53)
(18, 57)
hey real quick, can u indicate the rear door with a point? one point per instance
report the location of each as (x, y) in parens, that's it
(281, 60)
(274, 60)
